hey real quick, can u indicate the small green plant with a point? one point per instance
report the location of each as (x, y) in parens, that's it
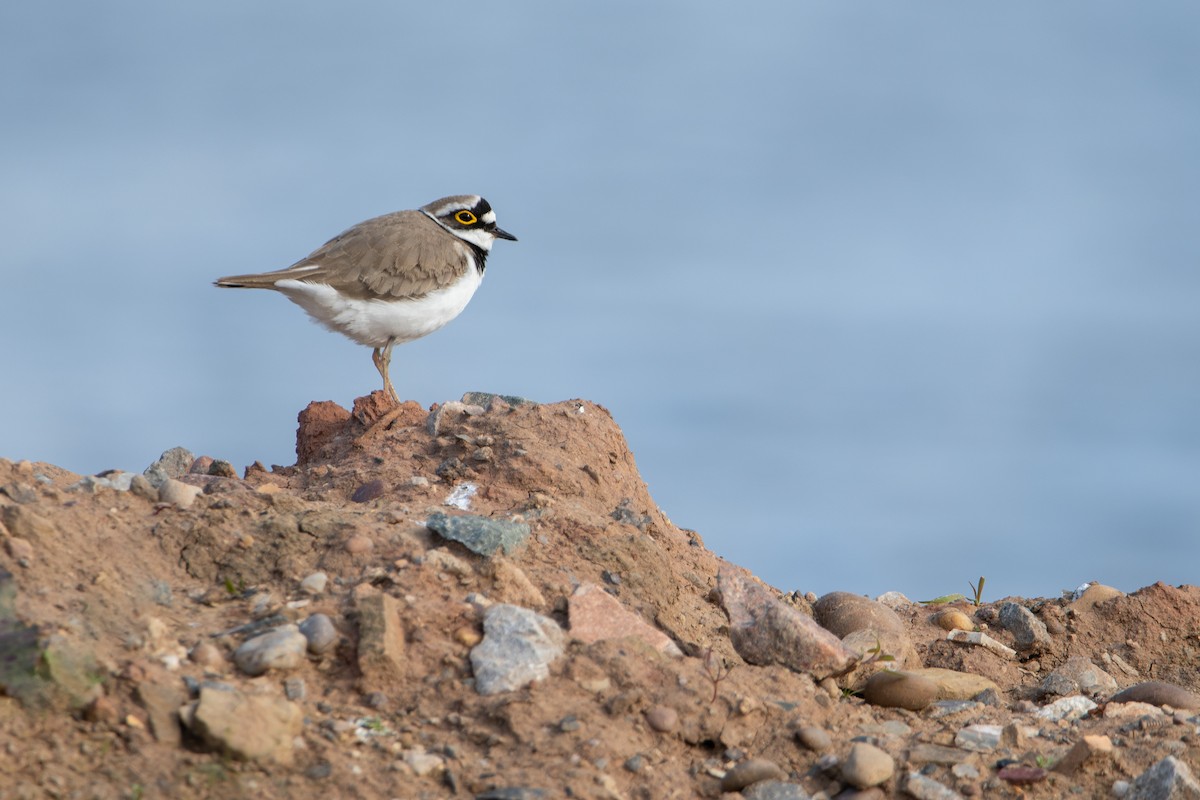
(716, 669)
(977, 590)
(1044, 761)
(876, 654)
(945, 599)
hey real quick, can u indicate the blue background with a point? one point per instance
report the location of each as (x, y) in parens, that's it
(884, 297)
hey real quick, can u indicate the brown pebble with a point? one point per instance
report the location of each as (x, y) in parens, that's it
(751, 772)
(1022, 776)
(900, 690)
(359, 543)
(208, 656)
(468, 636)
(1158, 693)
(952, 618)
(662, 718)
(367, 492)
(814, 738)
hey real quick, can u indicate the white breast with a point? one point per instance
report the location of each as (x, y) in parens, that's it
(373, 322)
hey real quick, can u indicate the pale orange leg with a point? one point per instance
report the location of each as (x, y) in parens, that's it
(382, 356)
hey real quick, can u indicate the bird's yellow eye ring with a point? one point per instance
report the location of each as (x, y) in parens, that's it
(466, 218)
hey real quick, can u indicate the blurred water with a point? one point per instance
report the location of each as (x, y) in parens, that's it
(882, 298)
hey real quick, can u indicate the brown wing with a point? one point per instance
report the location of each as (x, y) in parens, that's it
(404, 254)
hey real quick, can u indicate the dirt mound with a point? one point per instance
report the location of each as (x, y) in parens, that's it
(128, 612)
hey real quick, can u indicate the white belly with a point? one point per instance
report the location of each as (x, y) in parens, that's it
(374, 322)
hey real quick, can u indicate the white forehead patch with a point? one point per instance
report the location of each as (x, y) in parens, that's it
(467, 201)
(489, 217)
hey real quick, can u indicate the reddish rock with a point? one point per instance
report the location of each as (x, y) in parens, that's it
(595, 614)
(320, 423)
(766, 631)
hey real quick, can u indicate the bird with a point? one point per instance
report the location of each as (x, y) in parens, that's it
(393, 278)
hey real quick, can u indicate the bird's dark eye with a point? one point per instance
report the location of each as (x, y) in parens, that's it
(466, 218)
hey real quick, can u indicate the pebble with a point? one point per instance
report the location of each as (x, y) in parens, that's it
(955, 685)
(776, 790)
(319, 633)
(282, 648)
(314, 584)
(896, 689)
(369, 491)
(1069, 708)
(141, 486)
(1078, 675)
(209, 656)
(924, 788)
(867, 765)
(751, 772)
(663, 719)
(978, 738)
(635, 763)
(517, 649)
(952, 618)
(1158, 693)
(845, 614)
(178, 493)
(814, 738)
(359, 544)
(295, 689)
(482, 535)
(983, 640)
(1096, 593)
(1028, 631)
(928, 753)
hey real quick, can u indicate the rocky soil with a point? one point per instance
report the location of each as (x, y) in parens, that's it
(482, 600)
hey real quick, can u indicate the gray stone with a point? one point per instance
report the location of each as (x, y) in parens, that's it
(978, 738)
(1029, 632)
(319, 632)
(282, 648)
(751, 772)
(246, 727)
(867, 766)
(517, 649)
(171, 464)
(1078, 675)
(485, 399)
(314, 584)
(479, 534)
(775, 790)
(946, 708)
(295, 689)
(1074, 707)
(927, 753)
(767, 631)
(1169, 779)
(924, 788)
(141, 486)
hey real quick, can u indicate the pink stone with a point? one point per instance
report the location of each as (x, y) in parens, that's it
(597, 615)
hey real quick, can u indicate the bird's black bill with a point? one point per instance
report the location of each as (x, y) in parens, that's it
(500, 233)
